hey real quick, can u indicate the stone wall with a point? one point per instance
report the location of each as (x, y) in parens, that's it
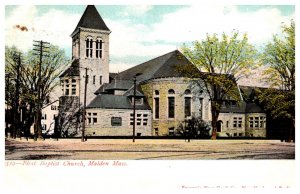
(228, 129)
(259, 130)
(97, 66)
(104, 126)
(161, 125)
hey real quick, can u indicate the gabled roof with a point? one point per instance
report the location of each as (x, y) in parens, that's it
(160, 67)
(108, 101)
(73, 70)
(238, 108)
(253, 108)
(130, 93)
(102, 90)
(117, 84)
(91, 19)
(249, 93)
(112, 76)
(246, 92)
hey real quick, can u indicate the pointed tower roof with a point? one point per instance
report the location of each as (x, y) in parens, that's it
(91, 19)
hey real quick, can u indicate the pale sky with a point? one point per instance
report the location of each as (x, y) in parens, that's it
(140, 33)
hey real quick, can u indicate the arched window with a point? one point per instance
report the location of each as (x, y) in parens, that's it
(99, 47)
(171, 103)
(156, 92)
(187, 103)
(187, 91)
(171, 91)
(219, 126)
(89, 47)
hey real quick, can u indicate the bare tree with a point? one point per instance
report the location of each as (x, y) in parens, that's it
(30, 81)
(69, 116)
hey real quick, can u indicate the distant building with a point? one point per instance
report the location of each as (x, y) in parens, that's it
(49, 111)
(47, 120)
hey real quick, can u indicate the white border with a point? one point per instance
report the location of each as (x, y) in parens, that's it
(150, 176)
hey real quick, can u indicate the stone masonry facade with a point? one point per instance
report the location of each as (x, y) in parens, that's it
(159, 89)
(112, 122)
(98, 68)
(242, 125)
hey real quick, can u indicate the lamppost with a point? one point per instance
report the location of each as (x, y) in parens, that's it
(134, 94)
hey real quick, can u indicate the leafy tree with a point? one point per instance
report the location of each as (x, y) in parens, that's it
(194, 128)
(279, 55)
(30, 80)
(222, 60)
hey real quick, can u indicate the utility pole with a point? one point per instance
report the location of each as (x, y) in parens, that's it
(40, 47)
(134, 95)
(84, 104)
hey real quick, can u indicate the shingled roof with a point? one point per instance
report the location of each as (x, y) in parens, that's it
(102, 88)
(160, 67)
(118, 84)
(253, 108)
(91, 19)
(115, 84)
(249, 93)
(73, 70)
(112, 76)
(131, 93)
(108, 101)
(238, 108)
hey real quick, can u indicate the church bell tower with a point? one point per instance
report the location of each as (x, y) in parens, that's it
(90, 49)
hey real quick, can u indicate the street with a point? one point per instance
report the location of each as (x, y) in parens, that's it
(150, 149)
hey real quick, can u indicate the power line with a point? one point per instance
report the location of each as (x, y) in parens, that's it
(41, 48)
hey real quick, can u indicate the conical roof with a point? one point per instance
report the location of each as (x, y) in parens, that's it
(91, 19)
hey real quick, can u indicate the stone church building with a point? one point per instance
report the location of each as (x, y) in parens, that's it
(164, 99)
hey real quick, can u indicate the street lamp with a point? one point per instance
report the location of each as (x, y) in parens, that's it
(134, 94)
